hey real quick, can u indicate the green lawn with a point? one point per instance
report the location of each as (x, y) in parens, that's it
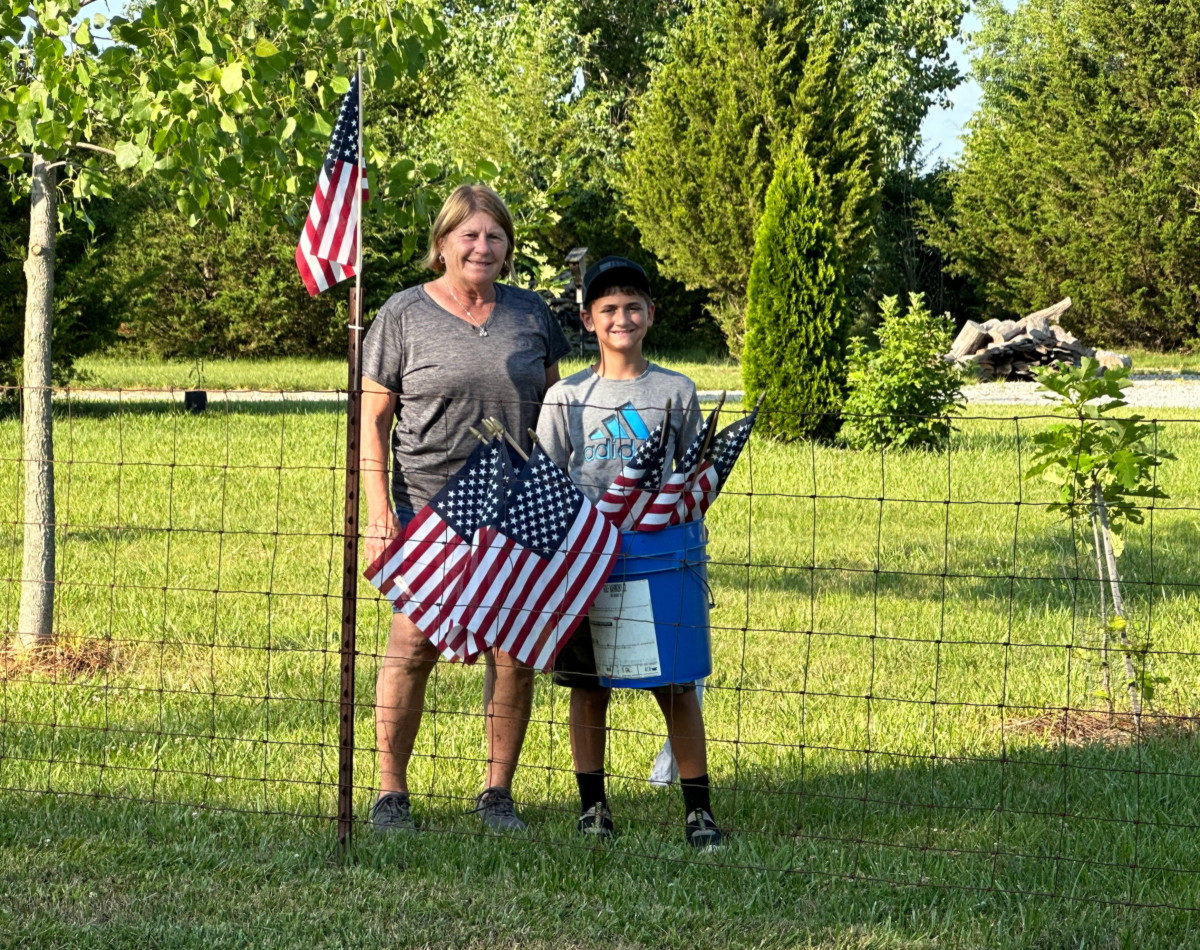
(289, 374)
(874, 664)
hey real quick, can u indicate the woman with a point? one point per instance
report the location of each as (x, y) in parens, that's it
(438, 358)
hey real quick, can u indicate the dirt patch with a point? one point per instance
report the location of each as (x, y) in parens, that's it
(61, 660)
(1086, 727)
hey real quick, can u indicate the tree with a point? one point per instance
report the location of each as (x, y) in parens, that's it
(737, 81)
(796, 316)
(1079, 174)
(222, 108)
(1102, 466)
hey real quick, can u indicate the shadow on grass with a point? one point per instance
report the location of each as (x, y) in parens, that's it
(896, 851)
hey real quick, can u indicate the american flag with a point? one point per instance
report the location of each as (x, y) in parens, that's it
(538, 567)
(660, 510)
(328, 248)
(631, 491)
(422, 572)
(712, 474)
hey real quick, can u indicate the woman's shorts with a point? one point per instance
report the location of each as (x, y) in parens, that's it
(575, 665)
(404, 516)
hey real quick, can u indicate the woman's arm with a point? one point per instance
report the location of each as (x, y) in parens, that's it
(378, 410)
(552, 376)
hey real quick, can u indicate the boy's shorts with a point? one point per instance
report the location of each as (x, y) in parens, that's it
(575, 665)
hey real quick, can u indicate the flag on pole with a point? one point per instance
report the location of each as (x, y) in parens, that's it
(714, 471)
(537, 568)
(328, 248)
(625, 499)
(421, 572)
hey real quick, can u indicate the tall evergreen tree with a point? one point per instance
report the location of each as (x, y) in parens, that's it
(1079, 175)
(740, 84)
(796, 316)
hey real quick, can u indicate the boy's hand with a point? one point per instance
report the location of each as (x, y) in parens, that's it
(379, 532)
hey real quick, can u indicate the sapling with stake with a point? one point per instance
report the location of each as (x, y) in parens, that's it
(1102, 466)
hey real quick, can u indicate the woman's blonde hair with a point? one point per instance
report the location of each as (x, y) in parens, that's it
(463, 202)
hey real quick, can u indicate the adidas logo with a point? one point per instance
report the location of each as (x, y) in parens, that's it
(625, 423)
(616, 436)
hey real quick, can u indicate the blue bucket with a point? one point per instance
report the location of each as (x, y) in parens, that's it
(650, 621)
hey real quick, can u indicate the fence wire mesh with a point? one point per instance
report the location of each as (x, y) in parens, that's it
(907, 656)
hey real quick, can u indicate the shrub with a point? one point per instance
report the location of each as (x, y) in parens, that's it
(904, 393)
(796, 318)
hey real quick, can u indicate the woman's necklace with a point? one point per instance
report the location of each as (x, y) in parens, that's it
(480, 326)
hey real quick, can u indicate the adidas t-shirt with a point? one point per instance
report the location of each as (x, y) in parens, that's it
(591, 426)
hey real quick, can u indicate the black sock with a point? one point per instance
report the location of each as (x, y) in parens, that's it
(695, 794)
(591, 788)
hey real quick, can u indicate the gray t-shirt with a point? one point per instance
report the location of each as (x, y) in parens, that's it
(591, 426)
(448, 377)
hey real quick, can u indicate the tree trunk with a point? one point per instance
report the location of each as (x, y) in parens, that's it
(36, 618)
(1118, 607)
(1105, 672)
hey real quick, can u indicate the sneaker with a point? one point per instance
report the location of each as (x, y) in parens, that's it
(701, 832)
(497, 811)
(596, 822)
(392, 812)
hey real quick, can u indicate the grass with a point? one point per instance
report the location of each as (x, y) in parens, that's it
(1147, 361)
(709, 371)
(877, 665)
(295, 374)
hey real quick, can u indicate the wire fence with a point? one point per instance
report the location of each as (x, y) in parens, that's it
(908, 656)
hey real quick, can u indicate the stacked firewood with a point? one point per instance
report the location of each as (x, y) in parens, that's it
(1011, 349)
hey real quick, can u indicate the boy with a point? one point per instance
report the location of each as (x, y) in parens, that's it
(591, 424)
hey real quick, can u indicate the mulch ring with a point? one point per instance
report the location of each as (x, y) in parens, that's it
(60, 660)
(1089, 726)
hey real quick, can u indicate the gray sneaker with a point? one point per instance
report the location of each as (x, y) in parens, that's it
(496, 809)
(392, 812)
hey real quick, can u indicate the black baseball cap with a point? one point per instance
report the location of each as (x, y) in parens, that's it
(613, 271)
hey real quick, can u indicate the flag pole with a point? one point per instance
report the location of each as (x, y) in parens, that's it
(350, 524)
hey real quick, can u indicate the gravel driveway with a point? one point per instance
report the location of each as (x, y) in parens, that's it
(1158, 391)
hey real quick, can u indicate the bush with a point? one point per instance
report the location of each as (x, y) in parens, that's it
(796, 318)
(903, 394)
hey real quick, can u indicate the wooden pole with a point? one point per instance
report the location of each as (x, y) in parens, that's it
(349, 647)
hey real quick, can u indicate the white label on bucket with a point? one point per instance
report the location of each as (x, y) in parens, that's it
(623, 635)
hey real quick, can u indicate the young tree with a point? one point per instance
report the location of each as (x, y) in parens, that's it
(1103, 466)
(796, 316)
(223, 108)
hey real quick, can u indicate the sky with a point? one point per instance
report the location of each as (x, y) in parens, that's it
(941, 129)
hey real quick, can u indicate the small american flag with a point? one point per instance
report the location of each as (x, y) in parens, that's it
(328, 248)
(660, 511)
(539, 566)
(632, 490)
(422, 571)
(712, 474)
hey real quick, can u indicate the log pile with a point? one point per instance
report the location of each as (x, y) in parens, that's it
(1012, 349)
